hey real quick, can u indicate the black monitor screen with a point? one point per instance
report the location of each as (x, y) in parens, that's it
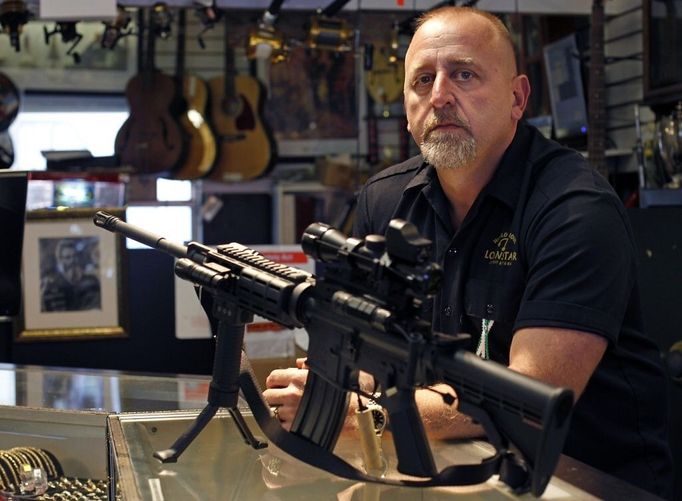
(13, 186)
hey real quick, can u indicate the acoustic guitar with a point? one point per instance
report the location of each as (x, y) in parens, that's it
(199, 143)
(9, 108)
(150, 139)
(596, 130)
(246, 146)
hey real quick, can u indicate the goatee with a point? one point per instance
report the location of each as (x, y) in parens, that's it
(447, 150)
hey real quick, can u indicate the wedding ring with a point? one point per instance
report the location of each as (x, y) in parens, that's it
(275, 411)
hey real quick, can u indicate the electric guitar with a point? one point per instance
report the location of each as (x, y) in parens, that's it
(150, 139)
(200, 146)
(596, 130)
(246, 146)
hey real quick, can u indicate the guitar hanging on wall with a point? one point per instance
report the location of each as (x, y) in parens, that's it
(596, 130)
(150, 139)
(246, 146)
(200, 146)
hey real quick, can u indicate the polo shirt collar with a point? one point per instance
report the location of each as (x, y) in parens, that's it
(425, 181)
(423, 176)
(508, 178)
(507, 181)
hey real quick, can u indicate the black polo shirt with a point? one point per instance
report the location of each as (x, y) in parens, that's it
(546, 244)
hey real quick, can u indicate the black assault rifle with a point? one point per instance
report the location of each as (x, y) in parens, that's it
(362, 314)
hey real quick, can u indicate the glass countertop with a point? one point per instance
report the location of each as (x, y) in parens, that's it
(219, 465)
(99, 390)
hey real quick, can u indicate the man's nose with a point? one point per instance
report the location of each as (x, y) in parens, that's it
(442, 92)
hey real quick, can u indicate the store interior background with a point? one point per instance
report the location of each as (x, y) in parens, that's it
(321, 159)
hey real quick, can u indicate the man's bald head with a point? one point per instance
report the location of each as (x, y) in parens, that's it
(498, 28)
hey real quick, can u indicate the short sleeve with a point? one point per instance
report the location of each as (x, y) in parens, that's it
(580, 259)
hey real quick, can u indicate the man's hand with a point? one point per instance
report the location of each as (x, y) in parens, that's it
(284, 388)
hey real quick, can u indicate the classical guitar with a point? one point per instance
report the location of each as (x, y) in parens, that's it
(246, 146)
(200, 146)
(596, 127)
(150, 139)
(9, 108)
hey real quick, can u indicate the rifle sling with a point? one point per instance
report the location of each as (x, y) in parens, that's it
(320, 457)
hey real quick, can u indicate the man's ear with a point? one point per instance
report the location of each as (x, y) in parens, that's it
(521, 92)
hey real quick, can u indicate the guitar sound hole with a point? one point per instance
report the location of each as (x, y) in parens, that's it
(246, 120)
(240, 108)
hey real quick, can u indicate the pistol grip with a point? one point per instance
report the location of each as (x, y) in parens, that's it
(409, 437)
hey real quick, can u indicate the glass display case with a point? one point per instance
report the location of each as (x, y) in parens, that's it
(102, 427)
(219, 465)
(62, 413)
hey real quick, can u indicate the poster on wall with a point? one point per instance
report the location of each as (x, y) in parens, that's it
(313, 106)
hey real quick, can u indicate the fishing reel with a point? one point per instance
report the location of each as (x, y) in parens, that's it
(13, 16)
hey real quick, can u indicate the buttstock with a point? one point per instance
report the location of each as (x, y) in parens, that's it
(530, 414)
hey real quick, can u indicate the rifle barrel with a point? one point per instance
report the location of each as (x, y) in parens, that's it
(117, 225)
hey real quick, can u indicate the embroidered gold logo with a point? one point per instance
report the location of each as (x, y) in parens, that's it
(504, 253)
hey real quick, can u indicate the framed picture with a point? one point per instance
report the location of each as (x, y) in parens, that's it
(73, 277)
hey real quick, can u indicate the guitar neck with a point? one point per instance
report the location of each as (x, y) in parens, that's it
(596, 134)
(230, 87)
(180, 52)
(150, 47)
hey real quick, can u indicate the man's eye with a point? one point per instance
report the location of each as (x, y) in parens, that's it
(423, 80)
(464, 75)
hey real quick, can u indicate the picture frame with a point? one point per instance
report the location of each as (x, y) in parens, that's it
(73, 278)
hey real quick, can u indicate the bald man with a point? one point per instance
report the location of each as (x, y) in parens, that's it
(538, 256)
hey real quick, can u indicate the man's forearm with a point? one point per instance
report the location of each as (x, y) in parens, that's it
(441, 420)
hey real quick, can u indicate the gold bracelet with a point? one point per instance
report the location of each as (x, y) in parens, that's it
(35, 459)
(40, 460)
(7, 465)
(49, 461)
(4, 480)
(21, 458)
(12, 462)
